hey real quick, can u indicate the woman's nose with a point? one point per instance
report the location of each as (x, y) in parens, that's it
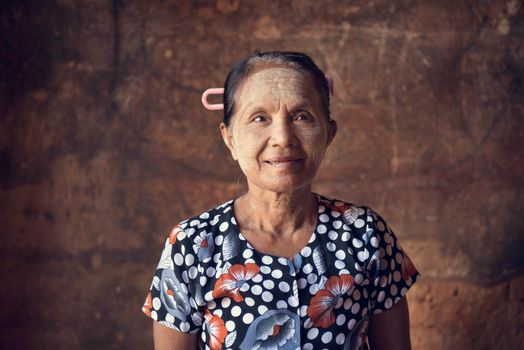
(283, 133)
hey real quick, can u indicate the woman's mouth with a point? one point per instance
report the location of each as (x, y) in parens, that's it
(283, 162)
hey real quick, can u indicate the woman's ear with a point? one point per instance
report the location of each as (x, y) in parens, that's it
(332, 130)
(227, 137)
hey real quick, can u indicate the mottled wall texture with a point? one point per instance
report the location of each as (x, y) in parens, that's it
(104, 145)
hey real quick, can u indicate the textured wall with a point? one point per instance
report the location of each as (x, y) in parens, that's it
(104, 146)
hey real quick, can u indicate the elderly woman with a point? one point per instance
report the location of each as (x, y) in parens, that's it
(280, 267)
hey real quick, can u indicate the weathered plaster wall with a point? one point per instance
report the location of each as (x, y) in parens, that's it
(104, 146)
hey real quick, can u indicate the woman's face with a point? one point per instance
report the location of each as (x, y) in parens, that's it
(279, 132)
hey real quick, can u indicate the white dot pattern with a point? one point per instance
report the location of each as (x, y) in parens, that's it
(210, 278)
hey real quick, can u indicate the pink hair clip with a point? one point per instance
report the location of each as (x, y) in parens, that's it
(212, 106)
(220, 91)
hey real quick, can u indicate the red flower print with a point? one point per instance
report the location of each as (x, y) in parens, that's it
(320, 310)
(229, 284)
(216, 329)
(147, 305)
(407, 268)
(172, 235)
(340, 208)
(339, 285)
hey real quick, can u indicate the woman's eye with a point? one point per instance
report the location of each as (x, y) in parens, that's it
(259, 118)
(303, 117)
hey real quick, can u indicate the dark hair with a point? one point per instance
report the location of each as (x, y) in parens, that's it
(297, 60)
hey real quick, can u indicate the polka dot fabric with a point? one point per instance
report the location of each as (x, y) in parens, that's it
(211, 280)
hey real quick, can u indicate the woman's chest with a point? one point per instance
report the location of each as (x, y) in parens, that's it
(317, 299)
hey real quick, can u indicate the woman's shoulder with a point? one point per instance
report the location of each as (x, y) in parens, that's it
(208, 221)
(358, 216)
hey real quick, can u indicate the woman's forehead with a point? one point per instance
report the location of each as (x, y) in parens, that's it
(277, 83)
(278, 75)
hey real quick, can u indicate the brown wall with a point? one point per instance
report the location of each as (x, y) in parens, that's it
(104, 146)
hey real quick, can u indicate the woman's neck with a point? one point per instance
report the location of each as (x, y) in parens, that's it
(281, 214)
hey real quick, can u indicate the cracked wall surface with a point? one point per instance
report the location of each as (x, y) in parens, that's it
(104, 145)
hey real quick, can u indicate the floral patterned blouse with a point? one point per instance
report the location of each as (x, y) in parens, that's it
(211, 280)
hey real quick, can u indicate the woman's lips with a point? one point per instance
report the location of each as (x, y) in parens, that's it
(284, 162)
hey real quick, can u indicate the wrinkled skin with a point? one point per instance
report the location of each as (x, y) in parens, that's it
(279, 133)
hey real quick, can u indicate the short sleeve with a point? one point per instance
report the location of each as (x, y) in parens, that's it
(391, 272)
(175, 292)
